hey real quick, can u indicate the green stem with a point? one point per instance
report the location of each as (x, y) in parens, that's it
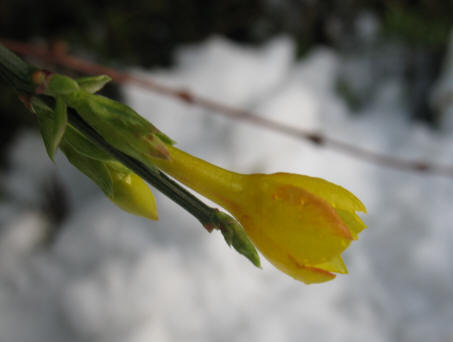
(15, 71)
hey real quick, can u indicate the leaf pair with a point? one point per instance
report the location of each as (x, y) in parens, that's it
(53, 123)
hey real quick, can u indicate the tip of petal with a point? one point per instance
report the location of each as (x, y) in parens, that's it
(336, 264)
(352, 221)
(154, 218)
(308, 274)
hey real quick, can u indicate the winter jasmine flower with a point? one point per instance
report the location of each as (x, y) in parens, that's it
(300, 224)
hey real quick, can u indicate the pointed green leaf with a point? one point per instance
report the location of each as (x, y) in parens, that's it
(46, 130)
(120, 126)
(59, 126)
(83, 145)
(165, 138)
(46, 120)
(40, 108)
(93, 84)
(94, 169)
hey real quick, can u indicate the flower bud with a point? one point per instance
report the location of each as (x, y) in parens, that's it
(132, 194)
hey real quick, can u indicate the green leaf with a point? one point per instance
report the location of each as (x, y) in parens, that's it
(59, 126)
(85, 146)
(46, 129)
(46, 118)
(94, 169)
(120, 126)
(165, 138)
(234, 235)
(93, 84)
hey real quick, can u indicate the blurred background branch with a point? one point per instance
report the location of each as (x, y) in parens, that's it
(147, 33)
(57, 55)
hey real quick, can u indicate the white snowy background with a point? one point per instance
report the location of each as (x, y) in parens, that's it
(110, 276)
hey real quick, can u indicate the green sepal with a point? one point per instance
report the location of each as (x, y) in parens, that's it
(92, 84)
(45, 128)
(85, 146)
(165, 138)
(94, 169)
(52, 123)
(59, 126)
(119, 113)
(39, 107)
(124, 115)
(234, 235)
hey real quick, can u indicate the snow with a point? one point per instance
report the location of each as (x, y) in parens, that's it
(111, 276)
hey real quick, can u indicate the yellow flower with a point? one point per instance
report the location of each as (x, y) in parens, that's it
(300, 224)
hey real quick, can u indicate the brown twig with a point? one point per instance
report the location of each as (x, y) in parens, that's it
(58, 56)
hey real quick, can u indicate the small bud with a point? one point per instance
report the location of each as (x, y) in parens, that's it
(132, 194)
(60, 85)
(235, 235)
(123, 187)
(40, 78)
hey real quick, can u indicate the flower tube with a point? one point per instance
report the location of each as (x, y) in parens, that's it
(300, 224)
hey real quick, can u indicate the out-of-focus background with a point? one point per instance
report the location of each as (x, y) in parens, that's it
(376, 74)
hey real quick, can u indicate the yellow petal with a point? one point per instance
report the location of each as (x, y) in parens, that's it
(352, 221)
(306, 274)
(309, 205)
(336, 264)
(286, 220)
(335, 195)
